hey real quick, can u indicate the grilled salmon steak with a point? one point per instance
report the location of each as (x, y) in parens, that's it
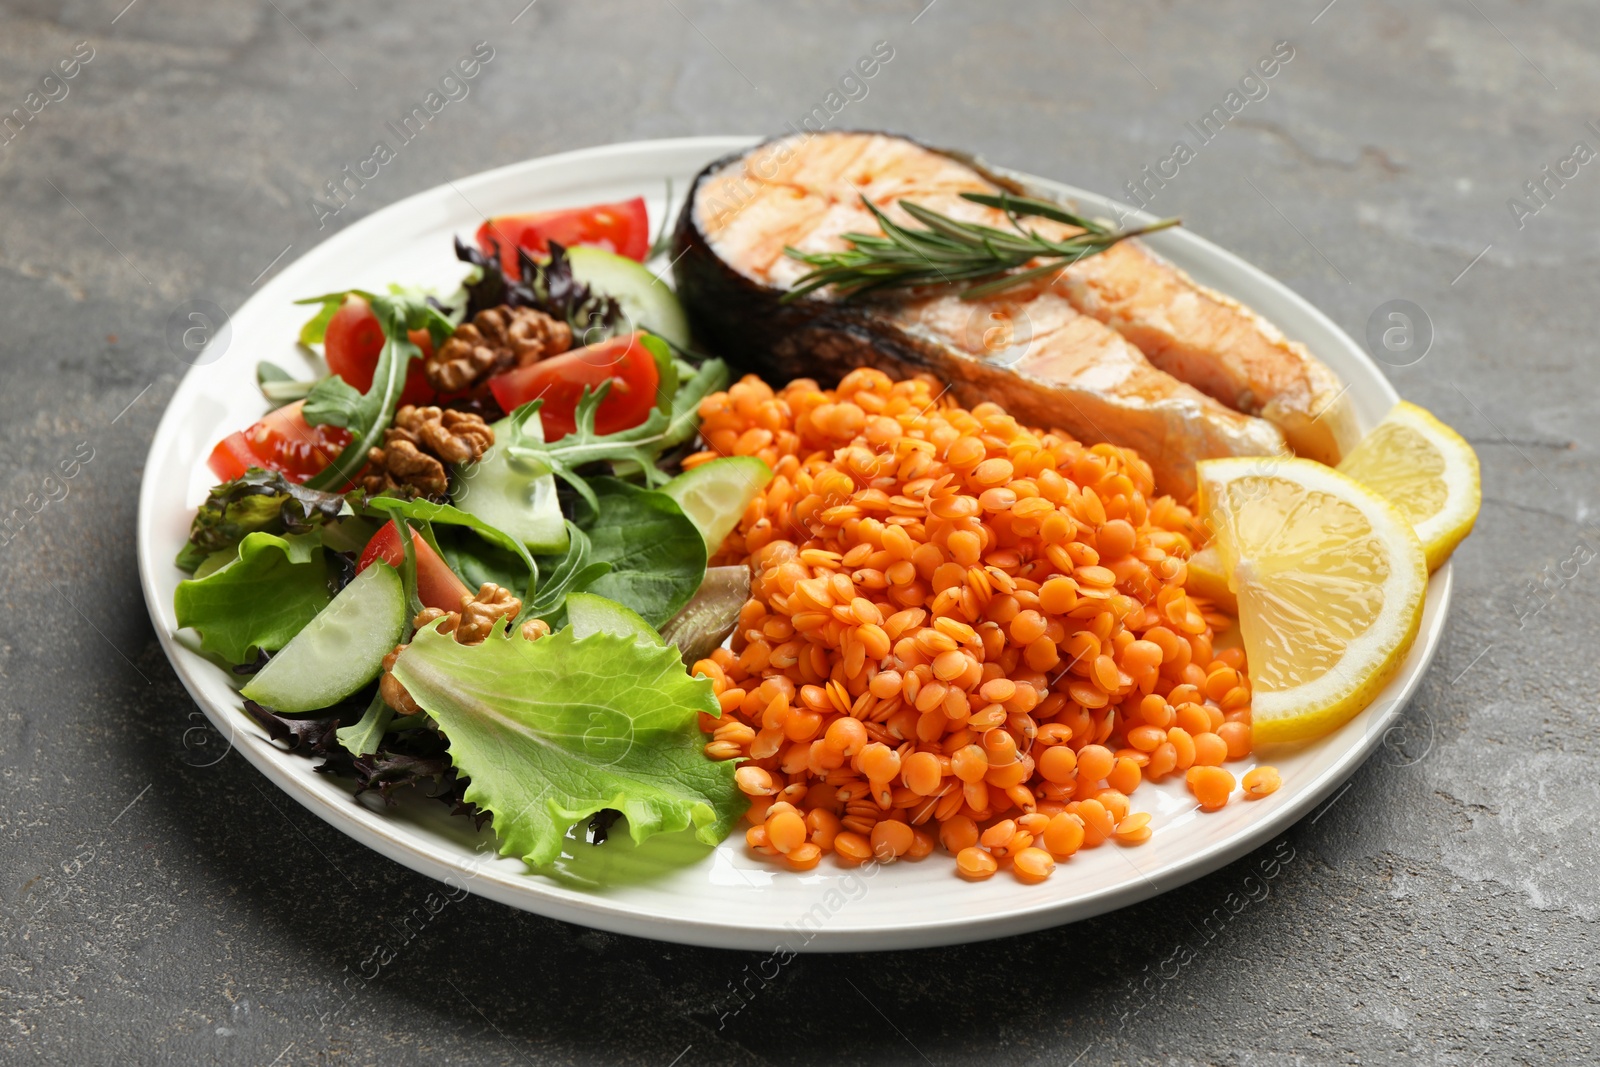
(1119, 347)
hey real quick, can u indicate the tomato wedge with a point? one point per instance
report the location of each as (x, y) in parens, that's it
(232, 457)
(352, 344)
(282, 441)
(437, 585)
(623, 361)
(622, 227)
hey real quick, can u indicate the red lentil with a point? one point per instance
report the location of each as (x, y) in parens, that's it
(976, 864)
(1260, 781)
(1210, 785)
(962, 632)
(1135, 829)
(1033, 865)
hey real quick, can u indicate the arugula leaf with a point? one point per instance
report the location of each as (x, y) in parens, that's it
(666, 370)
(696, 383)
(366, 416)
(260, 600)
(691, 385)
(315, 330)
(671, 422)
(639, 446)
(549, 732)
(279, 387)
(573, 571)
(257, 501)
(334, 401)
(657, 555)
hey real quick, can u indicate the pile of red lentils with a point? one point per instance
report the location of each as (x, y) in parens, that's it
(962, 633)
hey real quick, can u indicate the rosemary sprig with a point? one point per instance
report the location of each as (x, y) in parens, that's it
(951, 252)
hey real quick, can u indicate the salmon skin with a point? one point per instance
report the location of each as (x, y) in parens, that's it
(1064, 352)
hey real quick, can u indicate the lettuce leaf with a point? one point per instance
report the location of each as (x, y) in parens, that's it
(260, 600)
(550, 732)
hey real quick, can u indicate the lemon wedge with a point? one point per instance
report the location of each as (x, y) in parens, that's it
(1424, 469)
(1330, 581)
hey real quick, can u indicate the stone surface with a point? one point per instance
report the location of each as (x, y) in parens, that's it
(1443, 910)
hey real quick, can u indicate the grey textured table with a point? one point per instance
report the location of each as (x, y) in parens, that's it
(1442, 910)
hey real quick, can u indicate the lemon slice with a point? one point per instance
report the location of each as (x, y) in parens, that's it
(1330, 581)
(1424, 469)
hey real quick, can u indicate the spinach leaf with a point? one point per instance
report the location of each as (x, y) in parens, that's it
(477, 560)
(260, 600)
(657, 555)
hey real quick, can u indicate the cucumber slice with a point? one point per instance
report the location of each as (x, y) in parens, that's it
(590, 614)
(645, 299)
(512, 495)
(340, 650)
(715, 494)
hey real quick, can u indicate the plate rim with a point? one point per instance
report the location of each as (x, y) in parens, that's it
(396, 840)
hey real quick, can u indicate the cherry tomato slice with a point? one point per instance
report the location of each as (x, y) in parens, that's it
(282, 441)
(437, 585)
(622, 227)
(560, 380)
(352, 344)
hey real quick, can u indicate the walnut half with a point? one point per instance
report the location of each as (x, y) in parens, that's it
(419, 444)
(497, 339)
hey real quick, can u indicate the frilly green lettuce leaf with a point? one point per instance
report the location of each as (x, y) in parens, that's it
(551, 731)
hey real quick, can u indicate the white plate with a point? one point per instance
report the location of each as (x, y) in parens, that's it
(672, 888)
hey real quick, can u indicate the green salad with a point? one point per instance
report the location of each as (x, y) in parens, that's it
(465, 559)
